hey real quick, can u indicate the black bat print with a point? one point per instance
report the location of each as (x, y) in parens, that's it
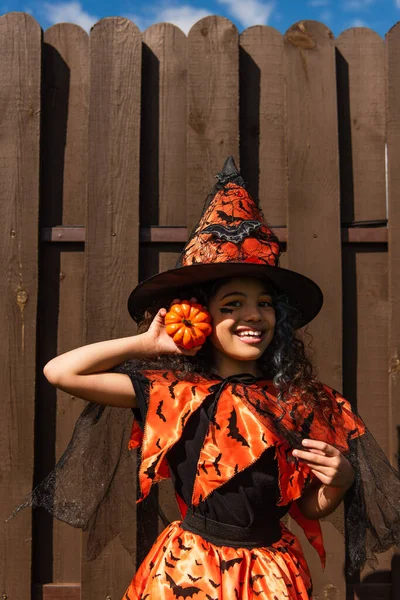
(168, 564)
(258, 593)
(210, 597)
(255, 578)
(203, 467)
(181, 591)
(164, 548)
(194, 579)
(171, 388)
(158, 443)
(236, 594)
(276, 576)
(144, 597)
(126, 596)
(151, 565)
(291, 480)
(263, 439)
(151, 471)
(234, 233)
(340, 406)
(236, 469)
(181, 545)
(193, 390)
(306, 426)
(165, 375)
(216, 462)
(156, 575)
(228, 564)
(184, 417)
(215, 585)
(172, 557)
(350, 433)
(233, 431)
(253, 556)
(159, 411)
(225, 217)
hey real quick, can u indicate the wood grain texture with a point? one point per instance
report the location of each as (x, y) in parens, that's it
(20, 76)
(65, 125)
(361, 84)
(314, 221)
(393, 53)
(164, 108)
(64, 192)
(112, 225)
(263, 120)
(213, 107)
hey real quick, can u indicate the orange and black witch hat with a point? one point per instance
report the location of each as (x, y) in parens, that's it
(231, 239)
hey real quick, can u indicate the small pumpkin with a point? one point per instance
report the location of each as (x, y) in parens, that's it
(188, 324)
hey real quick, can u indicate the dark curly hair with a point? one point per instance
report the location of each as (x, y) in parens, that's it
(285, 360)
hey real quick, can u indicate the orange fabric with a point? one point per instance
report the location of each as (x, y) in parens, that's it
(182, 564)
(232, 229)
(237, 437)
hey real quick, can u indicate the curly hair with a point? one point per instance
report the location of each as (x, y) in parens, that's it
(285, 361)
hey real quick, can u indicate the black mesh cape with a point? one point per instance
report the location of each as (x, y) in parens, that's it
(93, 487)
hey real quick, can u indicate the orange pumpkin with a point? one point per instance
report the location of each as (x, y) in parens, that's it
(188, 324)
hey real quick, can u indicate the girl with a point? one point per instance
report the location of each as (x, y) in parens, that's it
(241, 425)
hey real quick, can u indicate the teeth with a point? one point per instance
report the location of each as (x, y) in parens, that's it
(249, 333)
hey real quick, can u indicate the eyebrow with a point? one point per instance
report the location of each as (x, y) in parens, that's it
(242, 294)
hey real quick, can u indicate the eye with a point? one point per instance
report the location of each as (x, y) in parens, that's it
(266, 304)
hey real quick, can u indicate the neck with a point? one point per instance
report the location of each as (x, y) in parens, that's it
(227, 367)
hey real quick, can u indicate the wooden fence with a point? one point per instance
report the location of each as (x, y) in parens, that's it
(108, 147)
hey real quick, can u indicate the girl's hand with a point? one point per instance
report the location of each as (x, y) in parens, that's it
(159, 340)
(327, 463)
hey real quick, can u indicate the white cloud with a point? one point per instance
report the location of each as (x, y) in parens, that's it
(359, 23)
(250, 12)
(183, 17)
(319, 3)
(326, 16)
(355, 5)
(398, 3)
(68, 12)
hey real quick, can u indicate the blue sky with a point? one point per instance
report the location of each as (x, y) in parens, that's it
(339, 15)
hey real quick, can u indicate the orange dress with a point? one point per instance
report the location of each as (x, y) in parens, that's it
(227, 446)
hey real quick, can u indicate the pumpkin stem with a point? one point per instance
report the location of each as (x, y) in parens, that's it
(187, 322)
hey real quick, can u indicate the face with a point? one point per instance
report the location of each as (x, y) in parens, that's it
(243, 321)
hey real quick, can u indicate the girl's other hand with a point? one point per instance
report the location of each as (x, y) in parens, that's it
(329, 465)
(158, 338)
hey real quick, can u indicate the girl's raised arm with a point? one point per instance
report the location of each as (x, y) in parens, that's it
(85, 372)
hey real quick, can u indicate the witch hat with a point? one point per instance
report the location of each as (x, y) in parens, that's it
(231, 239)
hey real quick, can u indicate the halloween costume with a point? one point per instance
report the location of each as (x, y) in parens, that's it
(226, 443)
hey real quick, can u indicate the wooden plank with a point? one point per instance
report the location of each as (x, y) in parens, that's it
(65, 117)
(163, 136)
(213, 101)
(393, 53)
(59, 591)
(314, 246)
(112, 226)
(361, 88)
(174, 235)
(263, 119)
(20, 76)
(64, 190)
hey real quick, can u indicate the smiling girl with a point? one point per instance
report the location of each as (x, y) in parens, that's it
(240, 424)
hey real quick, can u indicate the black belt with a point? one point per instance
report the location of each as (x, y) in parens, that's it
(222, 534)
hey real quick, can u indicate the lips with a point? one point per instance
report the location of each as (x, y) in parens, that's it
(250, 336)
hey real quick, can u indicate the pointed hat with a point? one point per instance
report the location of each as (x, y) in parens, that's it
(231, 239)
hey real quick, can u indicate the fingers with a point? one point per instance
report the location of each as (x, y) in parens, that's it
(325, 448)
(311, 458)
(192, 300)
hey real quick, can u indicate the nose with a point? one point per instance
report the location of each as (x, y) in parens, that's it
(252, 313)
